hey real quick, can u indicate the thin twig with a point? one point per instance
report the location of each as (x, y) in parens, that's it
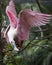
(43, 46)
(34, 31)
(48, 36)
(25, 47)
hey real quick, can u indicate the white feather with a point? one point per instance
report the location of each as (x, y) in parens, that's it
(11, 34)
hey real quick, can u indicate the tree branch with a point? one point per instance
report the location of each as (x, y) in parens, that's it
(39, 5)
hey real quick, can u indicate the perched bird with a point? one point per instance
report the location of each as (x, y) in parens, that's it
(19, 27)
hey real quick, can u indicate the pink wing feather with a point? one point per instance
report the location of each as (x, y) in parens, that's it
(29, 18)
(11, 13)
(12, 6)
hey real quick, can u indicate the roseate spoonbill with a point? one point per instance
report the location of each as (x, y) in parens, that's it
(19, 27)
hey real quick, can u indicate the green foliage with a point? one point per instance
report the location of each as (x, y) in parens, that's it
(38, 52)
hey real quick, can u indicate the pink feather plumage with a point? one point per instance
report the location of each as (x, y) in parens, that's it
(26, 19)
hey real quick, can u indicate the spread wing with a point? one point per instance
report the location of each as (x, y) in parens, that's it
(12, 6)
(11, 13)
(29, 18)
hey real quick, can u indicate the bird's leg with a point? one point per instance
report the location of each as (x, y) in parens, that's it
(41, 32)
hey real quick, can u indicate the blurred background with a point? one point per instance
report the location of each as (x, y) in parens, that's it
(38, 48)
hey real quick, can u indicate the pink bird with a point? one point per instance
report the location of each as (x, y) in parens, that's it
(19, 27)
